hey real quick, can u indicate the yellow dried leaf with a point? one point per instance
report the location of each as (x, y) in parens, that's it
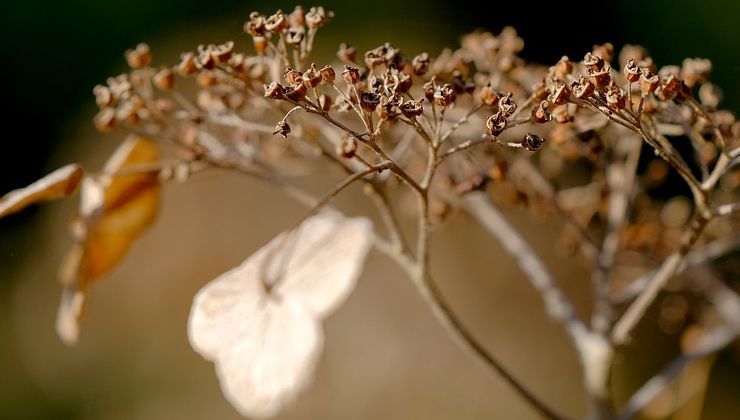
(58, 184)
(115, 208)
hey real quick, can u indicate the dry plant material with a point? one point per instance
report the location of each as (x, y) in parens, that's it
(60, 183)
(260, 323)
(593, 144)
(116, 206)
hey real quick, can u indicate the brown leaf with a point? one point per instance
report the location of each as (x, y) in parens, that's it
(115, 208)
(58, 184)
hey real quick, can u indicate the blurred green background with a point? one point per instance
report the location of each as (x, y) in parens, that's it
(134, 361)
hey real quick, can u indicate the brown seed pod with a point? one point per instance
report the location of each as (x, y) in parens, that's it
(496, 124)
(532, 142)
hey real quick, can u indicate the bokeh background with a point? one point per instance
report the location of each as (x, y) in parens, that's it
(385, 357)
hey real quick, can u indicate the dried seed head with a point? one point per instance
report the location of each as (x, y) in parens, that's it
(632, 71)
(295, 35)
(616, 97)
(327, 75)
(351, 74)
(347, 148)
(274, 91)
(255, 26)
(532, 142)
(601, 78)
(506, 104)
(139, 57)
(648, 82)
(560, 93)
(238, 63)
(103, 96)
(389, 107)
(204, 59)
(260, 44)
(496, 124)
(563, 68)
(412, 109)
(276, 23)
(369, 101)
(297, 92)
(593, 62)
(221, 53)
(318, 17)
(164, 79)
(631, 52)
(429, 88)
(206, 78)
(695, 70)
(105, 120)
(605, 51)
(444, 95)
(292, 76)
(488, 96)
(282, 128)
(420, 64)
(297, 17)
(670, 88)
(561, 115)
(347, 53)
(583, 88)
(540, 114)
(312, 77)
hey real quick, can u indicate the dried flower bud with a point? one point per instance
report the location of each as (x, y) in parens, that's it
(105, 120)
(276, 23)
(325, 102)
(347, 53)
(540, 114)
(601, 78)
(297, 17)
(206, 79)
(561, 115)
(351, 74)
(260, 44)
(648, 82)
(532, 142)
(695, 70)
(670, 88)
(369, 101)
(317, 17)
(605, 51)
(631, 52)
(583, 88)
(222, 53)
(632, 71)
(560, 93)
(164, 79)
(389, 107)
(187, 65)
(294, 36)
(347, 147)
(496, 124)
(412, 109)
(506, 104)
(488, 96)
(593, 62)
(444, 95)
(103, 96)
(420, 64)
(204, 60)
(616, 97)
(297, 92)
(312, 77)
(139, 57)
(255, 26)
(238, 63)
(563, 68)
(327, 75)
(429, 88)
(274, 91)
(282, 128)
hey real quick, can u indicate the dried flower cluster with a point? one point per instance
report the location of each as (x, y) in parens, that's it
(468, 130)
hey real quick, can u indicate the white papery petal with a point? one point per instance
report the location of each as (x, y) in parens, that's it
(265, 344)
(325, 261)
